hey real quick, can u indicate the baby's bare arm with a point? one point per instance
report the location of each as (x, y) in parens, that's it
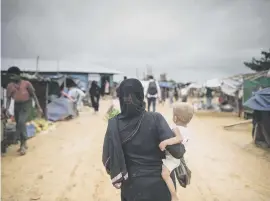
(175, 140)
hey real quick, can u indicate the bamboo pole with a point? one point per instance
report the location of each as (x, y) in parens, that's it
(239, 123)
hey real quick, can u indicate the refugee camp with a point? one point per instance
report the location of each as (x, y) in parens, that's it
(135, 101)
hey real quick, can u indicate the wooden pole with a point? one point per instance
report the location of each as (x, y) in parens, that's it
(238, 123)
(47, 101)
(37, 63)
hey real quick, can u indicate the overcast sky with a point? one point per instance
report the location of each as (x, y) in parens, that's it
(188, 39)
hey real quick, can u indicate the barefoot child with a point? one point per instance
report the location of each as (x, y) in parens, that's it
(182, 115)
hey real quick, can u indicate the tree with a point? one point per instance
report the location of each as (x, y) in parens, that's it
(260, 65)
(172, 81)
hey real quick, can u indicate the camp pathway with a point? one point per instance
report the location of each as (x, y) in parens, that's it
(65, 165)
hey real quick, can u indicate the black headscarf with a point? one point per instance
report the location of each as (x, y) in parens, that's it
(131, 95)
(123, 128)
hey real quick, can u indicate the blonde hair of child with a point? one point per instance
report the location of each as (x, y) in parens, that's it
(183, 112)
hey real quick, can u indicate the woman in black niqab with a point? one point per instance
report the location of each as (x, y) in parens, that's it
(131, 99)
(95, 95)
(131, 153)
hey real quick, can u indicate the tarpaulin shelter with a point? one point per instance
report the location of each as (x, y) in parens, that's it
(44, 86)
(60, 109)
(260, 104)
(253, 83)
(260, 100)
(40, 84)
(195, 86)
(213, 83)
(230, 86)
(166, 84)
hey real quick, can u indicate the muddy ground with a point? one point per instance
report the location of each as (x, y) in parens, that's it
(65, 164)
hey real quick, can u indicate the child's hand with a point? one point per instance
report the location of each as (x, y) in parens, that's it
(163, 145)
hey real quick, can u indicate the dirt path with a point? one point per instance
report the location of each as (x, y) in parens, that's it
(65, 165)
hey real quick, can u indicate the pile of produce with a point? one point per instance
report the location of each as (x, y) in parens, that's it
(40, 124)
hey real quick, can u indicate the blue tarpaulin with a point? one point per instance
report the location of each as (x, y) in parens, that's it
(260, 100)
(60, 109)
(166, 84)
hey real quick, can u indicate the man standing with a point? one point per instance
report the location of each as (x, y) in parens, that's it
(152, 93)
(22, 92)
(184, 94)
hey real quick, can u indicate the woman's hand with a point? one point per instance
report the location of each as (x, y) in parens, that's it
(117, 185)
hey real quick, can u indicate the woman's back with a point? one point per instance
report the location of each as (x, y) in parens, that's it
(143, 151)
(144, 160)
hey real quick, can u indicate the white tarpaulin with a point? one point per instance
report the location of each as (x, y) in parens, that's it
(195, 86)
(230, 86)
(94, 77)
(213, 83)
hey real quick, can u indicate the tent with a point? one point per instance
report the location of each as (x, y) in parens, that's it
(260, 101)
(60, 108)
(260, 104)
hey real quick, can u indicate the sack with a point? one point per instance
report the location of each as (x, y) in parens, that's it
(183, 174)
(152, 88)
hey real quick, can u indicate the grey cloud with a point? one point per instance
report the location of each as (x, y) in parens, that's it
(212, 36)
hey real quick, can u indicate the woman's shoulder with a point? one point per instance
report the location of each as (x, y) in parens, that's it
(156, 116)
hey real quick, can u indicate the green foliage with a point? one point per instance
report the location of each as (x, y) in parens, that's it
(112, 113)
(262, 64)
(172, 81)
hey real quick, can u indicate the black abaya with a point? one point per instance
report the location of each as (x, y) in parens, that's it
(140, 134)
(95, 102)
(95, 95)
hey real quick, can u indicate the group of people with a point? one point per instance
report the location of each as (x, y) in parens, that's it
(141, 151)
(77, 95)
(155, 93)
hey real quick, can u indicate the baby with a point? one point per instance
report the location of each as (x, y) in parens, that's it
(182, 115)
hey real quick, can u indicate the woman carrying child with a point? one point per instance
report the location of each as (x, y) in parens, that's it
(131, 153)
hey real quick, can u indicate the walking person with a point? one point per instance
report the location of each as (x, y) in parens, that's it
(176, 94)
(22, 92)
(209, 97)
(171, 96)
(107, 87)
(95, 95)
(152, 93)
(131, 153)
(184, 94)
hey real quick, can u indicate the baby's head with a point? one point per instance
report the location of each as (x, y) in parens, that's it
(182, 113)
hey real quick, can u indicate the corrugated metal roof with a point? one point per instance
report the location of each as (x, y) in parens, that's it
(29, 65)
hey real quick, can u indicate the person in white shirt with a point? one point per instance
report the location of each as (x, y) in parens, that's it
(152, 93)
(77, 95)
(182, 115)
(184, 94)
